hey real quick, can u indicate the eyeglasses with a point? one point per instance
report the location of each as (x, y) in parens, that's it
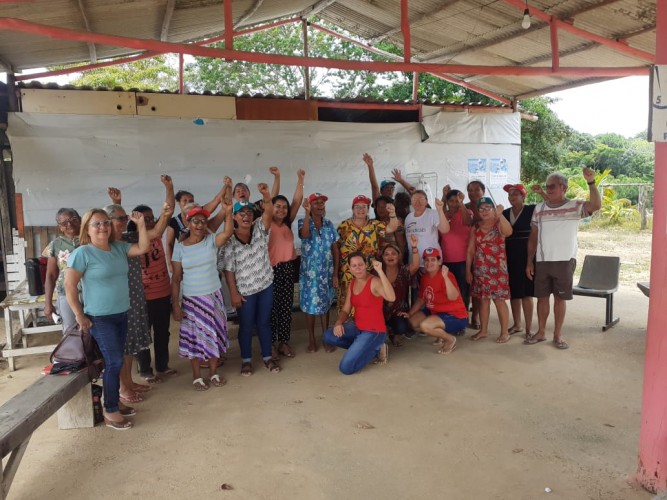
(485, 209)
(122, 218)
(359, 206)
(198, 222)
(100, 223)
(69, 222)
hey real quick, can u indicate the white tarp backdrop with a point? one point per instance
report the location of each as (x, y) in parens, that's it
(70, 160)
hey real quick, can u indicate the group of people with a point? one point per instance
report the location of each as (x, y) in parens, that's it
(411, 268)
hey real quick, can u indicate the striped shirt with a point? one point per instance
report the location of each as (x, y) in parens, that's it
(200, 276)
(557, 230)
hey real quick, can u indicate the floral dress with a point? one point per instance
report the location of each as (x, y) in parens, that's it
(353, 239)
(490, 278)
(400, 286)
(316, 291)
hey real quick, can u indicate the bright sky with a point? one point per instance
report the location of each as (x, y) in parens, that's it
(619, 106)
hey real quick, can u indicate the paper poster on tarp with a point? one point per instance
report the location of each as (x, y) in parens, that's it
(497, 172)
(477, 169)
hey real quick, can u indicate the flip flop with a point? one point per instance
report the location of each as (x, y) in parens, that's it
(216, 381)
(447, 351)
(135, 398)
(152, 379)
(246, 369)
(533, 340)
(128, 411)
(501, 340)
(123, 425)
(476, 337)
(199, 384)
(515, 329)
(561, 344)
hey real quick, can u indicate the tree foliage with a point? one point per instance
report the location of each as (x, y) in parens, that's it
(156, 73)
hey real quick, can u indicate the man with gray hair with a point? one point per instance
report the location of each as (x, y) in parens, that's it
(552, 250)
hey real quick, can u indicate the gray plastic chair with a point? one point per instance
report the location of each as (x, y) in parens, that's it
(599, 278)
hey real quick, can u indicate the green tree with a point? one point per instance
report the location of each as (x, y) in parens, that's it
(543, 142)
(156, 73)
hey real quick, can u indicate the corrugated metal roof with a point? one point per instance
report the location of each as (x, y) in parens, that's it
(469, 32)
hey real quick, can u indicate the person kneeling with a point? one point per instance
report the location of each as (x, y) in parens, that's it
(364, 336)
(439, 309)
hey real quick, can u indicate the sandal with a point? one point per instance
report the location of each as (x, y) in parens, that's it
(533, 339)
(216, 381)
(123, 425)
(152, 379)
(477, 337)
(442, 350)
(272, 366)
(168, 371)
(246, 369)
(515, 329)
(128, 411)
(561, 344)
(200, 384)
(134, 398)
(285, 350)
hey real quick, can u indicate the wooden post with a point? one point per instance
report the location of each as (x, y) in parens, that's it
(180, 74)
(77, 413)
(415, 86)
(652, 468)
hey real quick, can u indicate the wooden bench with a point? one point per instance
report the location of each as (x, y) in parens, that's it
(69, 395)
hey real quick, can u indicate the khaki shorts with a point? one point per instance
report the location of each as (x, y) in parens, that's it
(554, 277)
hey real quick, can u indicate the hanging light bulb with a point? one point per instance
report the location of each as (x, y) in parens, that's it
(525, 23)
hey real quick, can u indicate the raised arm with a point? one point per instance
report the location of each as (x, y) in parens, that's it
(443, 223)
(594, 201)
(304, 232)
(375, 187)
(167, 208)
(398, 177)
(381, 286)
(143, 245)
(227, 190)
(214, 223)
(414, 254)
(275, 189)
(394, 223)
(452, 292)
(298, 194)
(445, 190)
(115, 195)
(503, 224)
(267, 214)
(223, 237)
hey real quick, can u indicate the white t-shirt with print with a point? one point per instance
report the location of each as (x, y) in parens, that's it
(557, 230)
(425, 227)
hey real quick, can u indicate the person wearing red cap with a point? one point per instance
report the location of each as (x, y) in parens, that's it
(359, 234)
(439, 310)
(317, 280)
(519, 216)
(488, 277)
(201, 311)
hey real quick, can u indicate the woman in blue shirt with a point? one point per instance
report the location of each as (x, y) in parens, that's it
(100, 264)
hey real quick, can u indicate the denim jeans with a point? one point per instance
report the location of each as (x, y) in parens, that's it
(109, 332)
(256, 310)
(159, 313)
(361, 346)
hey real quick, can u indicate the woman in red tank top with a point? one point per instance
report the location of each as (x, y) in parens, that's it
(364, 337)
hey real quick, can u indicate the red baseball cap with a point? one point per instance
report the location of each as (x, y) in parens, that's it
(431, 252)
(317, 196)
(361, 200)
(519, 187)
(197, 211)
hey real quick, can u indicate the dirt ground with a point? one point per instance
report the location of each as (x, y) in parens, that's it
(488, 421)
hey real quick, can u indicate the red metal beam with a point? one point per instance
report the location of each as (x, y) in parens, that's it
(12, 24)
(547, 18)
(405, 29)
(389, 55)
(229, 25)
(555, 52)
(652, 468)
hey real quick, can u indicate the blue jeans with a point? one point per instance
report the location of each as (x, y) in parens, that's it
(109, 332)
(256, 310)
(361, 346)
